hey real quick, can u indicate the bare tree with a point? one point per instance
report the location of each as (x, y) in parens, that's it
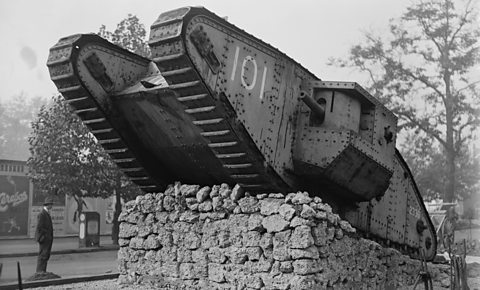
(424, 71)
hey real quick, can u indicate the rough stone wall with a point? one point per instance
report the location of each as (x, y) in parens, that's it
(220, 238)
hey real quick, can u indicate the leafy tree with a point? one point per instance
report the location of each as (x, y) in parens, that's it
(66, 159)
(424, 72)
(129, 34)
(15, 117)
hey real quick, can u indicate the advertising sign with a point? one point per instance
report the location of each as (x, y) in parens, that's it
(14, 201)
(57, 213)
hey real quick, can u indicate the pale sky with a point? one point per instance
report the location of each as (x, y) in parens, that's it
(309, 31)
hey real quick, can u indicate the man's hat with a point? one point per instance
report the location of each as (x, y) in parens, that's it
(48, 200)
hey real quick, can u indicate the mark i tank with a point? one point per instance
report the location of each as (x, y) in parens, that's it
(214, 104)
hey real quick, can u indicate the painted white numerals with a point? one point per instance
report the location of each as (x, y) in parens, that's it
(243, 75)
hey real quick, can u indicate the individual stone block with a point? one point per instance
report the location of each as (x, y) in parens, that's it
(192, 203)
(214, 216)
(189, 190)
(151, 243)
(228, 204)
(124, 254)
(148, 203)
(286, 211)
(237, 193)
(323, 207)
(203, 194)
(298, 221)
(191, 241)
(253, 282)
(217, 202)
(237, 210)
(252, 239)
(151, 256)
(262, 265)
(136, 243)
(237, 255)
(307, 212)
(215, 191)
(330, 233)
(333, 218)
(199, 256)
(254, 253)
(223, 238)
(171, 270)
(224, 191)
(216, 272)
(165, 237)
(184, 255)
(127, 230)
(308, 253)
(135, 217)
(269, 206)
(189, 217)
(169, 203)
(167, 254)
(144, 230)
(161, 217)
(249, 204)
(306, 266)
(286, 267)
(308, 282)
(123, 242)
(319, 234)
(275, 223)
(255, 222)
(209, 240)
(338, 234)
(301, 198)
(174, 216)
(344, 225)
(321, 215)
(205, 206)
(266, 241)
(280, 246)
(216, 255)
(136, 255)
(280, 282)
(261, 196)
(301, 238)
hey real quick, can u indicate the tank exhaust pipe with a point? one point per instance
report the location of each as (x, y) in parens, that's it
(318, 110)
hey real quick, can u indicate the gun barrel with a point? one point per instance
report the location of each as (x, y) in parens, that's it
(318, 110)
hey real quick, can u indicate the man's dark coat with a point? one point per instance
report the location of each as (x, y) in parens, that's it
(44, 236)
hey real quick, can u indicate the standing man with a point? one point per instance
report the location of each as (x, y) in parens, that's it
(44, 235)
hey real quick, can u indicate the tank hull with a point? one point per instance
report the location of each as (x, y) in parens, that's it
(215, 104)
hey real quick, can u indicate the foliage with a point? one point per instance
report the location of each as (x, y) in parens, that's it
(424, 73)
(129, 34)
(66, 159)
(15, 117)
(65, 156)
(428, 165)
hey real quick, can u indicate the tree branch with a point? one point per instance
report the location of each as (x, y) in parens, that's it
(424, 128)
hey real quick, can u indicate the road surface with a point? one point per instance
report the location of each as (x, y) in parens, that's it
(67, 265)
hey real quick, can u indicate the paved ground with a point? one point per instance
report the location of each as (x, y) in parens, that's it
(67, 259)
(68, 265)
(14, 247)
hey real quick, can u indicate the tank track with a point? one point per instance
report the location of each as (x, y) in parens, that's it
(62, 72)
(207, 111)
